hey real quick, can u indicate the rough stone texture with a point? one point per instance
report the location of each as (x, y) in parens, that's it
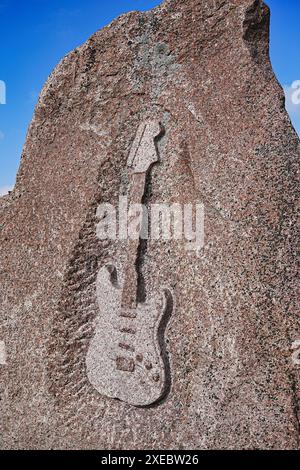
(202, 68)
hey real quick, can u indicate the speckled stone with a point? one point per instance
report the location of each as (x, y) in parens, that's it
(202, 69)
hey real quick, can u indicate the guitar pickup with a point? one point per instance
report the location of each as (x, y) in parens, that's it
(127, 347)
(128, 313)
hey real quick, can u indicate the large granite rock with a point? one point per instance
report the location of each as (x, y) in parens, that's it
(227, 366)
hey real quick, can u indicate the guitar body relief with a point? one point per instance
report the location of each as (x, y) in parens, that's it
(125, 358)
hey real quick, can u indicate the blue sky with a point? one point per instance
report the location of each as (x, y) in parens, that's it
(36, 34)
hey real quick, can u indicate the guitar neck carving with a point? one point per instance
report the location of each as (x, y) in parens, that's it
(142, 157)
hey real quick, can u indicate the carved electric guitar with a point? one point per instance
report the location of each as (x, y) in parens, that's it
(126, 358)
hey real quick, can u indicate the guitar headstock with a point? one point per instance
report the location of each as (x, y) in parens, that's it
(143, 152)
